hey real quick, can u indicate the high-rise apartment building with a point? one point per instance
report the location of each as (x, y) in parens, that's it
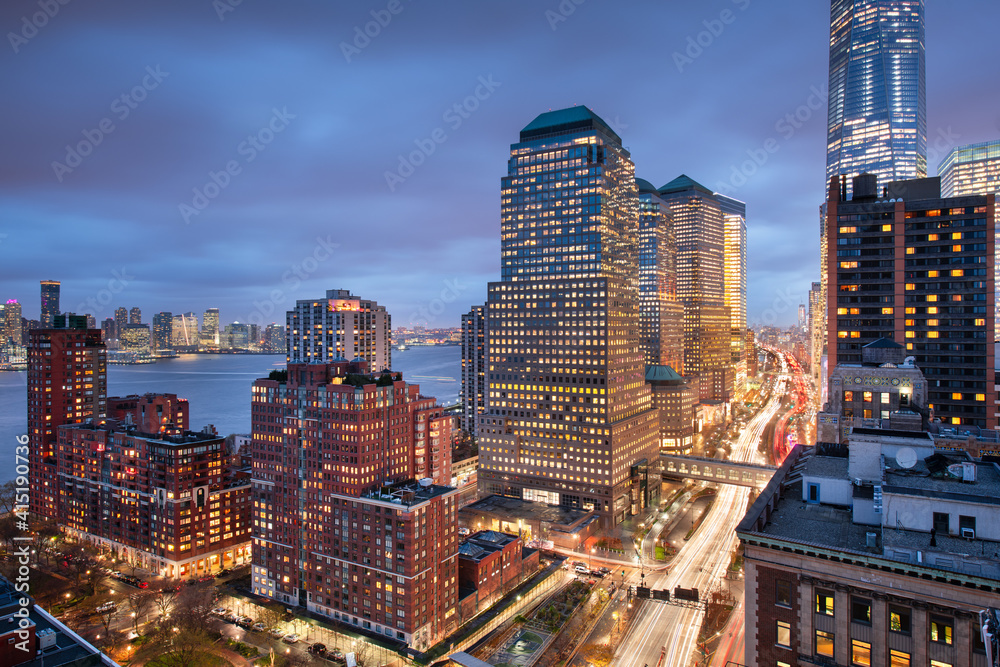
(163, 331)
(210, 328)
(185, 330)
(474, 328)
(973, 169)
(877, 110)
(700, 227)
(274, 339)
(346, 521)
(339, 326)
(661, 314)
(817, 330)
(569, 418)
(108, 329)
(50, 301)
(135, 315)
(67, 384)
(917, 269)
(735, 283)
(121, 320)
(12, 324)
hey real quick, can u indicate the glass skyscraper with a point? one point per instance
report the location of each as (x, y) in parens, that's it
(569, 419)
(877, 112)
(50, 301)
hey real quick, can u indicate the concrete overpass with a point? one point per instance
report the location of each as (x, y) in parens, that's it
(716, 470)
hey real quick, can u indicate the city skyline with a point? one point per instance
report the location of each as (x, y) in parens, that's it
(193, 119)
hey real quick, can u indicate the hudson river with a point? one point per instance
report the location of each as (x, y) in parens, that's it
(218, 387)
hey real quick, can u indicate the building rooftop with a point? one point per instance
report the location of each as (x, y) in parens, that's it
(834, 467)
(683, 183)
(408, 493)
(920, 481)
(516, 508)
(645, 186)
(479, 545)
(565, 121)
(663, 375)
(884, 343)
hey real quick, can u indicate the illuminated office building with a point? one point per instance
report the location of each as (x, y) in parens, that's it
(135, 315)
(973, 169)
(50, 301)
(569, 419)
(12, 324)
(185, 330)
(473, 367)
(877, 112)
(817, 330)
(163, 331)
(136, 337)
(735, 217)
(700, 229)
(340, 326)
(917, 269)
(661, 315)
(121, 320)
(210, 328)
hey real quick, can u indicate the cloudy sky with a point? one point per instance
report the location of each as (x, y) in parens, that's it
(234, 154)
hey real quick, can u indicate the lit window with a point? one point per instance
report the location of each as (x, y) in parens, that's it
(941, 631)
(824, 643)
(784, 634)
(824, 599)
(956, 396)
(899, 659)
(861, 653)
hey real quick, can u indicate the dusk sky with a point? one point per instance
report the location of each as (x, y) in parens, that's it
(117, 115)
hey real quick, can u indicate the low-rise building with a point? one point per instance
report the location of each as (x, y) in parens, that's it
(490, 565)
(881, 552)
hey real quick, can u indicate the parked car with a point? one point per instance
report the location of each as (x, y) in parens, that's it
(245, 622)
(290, 638)
(335, 654)
(258, 627)
(219, 611)
(317, 649)
(107, 606)
(142, 584)
(579, 563)
(277, 633)
(604, 571)
(232, 617)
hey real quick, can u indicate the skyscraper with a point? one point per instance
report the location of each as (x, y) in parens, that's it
(340, 325)
(877, 111)
(163, 331)
(661, 314)
(50, 301)
(109, 330)
(734, 214)
(700, 227)
(210, 328)
(917, 269)
(185, 330)
(569, 418)
(474, 328)
(67, 383)
(12, 323)
(135, 315)
(121, 320)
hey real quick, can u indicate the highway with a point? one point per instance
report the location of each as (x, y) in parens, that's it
(665, 635)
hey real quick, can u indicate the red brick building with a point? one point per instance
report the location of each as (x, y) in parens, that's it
(341, 526)
(491, 564)
(67, 383)
(163, 499)
(151, 413)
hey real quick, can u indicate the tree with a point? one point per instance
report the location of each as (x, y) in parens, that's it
(139, 604)
(176, 647)
(164, 598)
(107, 618)
(193, 605)
(271, 614)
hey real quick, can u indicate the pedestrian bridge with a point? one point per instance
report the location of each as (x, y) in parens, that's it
(716, 470)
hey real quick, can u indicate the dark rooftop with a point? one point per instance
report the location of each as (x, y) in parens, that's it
(683, 183)
(516, 508)
(566, 121)
(884, 342)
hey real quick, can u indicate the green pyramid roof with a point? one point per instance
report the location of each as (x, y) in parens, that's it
(683, 183)
(663, 374)
(566, 120)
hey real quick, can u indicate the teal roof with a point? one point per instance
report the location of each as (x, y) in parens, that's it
(683, 183)
(566, 120)
(662, 374)
(884, 342)
(645, 186)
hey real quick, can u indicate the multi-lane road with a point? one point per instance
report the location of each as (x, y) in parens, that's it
(663, 634)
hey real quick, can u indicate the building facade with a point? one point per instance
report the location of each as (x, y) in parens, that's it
(121, 320)
(341, 526)
(209, 336)
(50, 302)
(135, 337)
(339, 326)
(569, 420)
(12, 324)
(135, 315)
(879, 553)
(919, 270)
(67, 384)
(185, 330)
(474, 328)
(661, 314)
(676, 400)
(877, 108)
(163, 331)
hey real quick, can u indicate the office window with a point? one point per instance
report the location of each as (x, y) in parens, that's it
(784, 634)
(941, 521)
(861, 653)
(848, 396)
(938, 663)
(783, 593)
(824, 603)
(941, 630)
(861, 611)
(899, 659)
(824, 643)
(899, 620)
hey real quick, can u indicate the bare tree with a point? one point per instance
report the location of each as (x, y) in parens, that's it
(164, 598)
(107, 618)
(180, 648)
(193, 606)
(139, 604)
(271, 614)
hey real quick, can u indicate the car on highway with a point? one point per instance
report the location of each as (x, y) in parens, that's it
(290, 638)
